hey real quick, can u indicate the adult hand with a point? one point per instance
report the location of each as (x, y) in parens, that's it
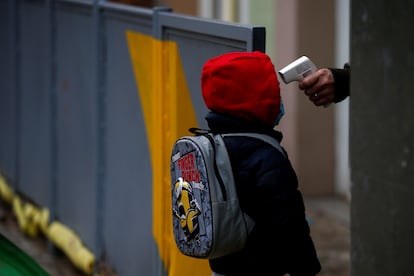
(319, 87)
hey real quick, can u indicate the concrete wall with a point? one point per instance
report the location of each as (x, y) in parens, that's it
(382, 137)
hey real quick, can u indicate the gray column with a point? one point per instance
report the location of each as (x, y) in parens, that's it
(382, 137)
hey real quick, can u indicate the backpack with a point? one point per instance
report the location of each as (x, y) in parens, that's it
(207, 220)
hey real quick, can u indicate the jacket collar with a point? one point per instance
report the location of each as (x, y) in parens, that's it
(221, 123)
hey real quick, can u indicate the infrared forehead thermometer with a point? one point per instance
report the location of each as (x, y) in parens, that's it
(297, 70)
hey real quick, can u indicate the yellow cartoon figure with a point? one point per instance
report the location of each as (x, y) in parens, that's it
(188, 209)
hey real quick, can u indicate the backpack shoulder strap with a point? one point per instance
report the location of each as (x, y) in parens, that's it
(265, 138)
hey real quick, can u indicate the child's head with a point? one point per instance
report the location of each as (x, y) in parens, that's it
(243, 85)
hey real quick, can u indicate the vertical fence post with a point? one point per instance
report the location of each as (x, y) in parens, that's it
(99, 85)
(258, 43)
(53, 108)
(15, 82)
(157, 33)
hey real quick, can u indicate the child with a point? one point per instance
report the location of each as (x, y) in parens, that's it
(241, 90)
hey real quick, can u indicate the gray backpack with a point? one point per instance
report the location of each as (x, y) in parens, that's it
(207, 220)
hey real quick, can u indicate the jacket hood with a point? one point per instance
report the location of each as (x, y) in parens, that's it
(244, 85)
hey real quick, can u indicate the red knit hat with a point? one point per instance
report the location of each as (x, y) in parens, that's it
(242, 84)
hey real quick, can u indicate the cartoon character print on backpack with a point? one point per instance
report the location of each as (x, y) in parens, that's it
(187, 209)
(192, 218)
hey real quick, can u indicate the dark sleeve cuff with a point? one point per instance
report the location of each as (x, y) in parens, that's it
(342, 85)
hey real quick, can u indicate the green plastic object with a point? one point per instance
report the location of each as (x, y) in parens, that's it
(15, 262)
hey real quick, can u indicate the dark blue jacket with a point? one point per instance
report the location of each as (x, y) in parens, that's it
(268, 192)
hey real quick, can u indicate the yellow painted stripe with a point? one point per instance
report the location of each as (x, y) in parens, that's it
(168, 113)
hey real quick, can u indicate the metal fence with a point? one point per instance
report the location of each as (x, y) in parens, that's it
(77, 79)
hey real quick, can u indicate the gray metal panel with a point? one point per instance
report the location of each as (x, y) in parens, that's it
(7, 89)
(198, 40)
(76, 120)
(135, 18)
(128, 189)
(208, 30)
(35, 119)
